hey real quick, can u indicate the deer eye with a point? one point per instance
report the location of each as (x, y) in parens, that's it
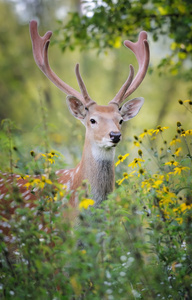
(93, 121)
(121, 121)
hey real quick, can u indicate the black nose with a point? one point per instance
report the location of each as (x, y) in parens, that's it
(115, 136)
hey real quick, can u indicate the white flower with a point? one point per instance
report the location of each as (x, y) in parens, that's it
(123, 258)
(136, 294)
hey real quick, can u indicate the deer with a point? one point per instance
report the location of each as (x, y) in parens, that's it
(102, 122)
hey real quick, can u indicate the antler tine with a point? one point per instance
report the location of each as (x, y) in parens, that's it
(82, 86)
(142, 53)
(40, 52)
(119, 96)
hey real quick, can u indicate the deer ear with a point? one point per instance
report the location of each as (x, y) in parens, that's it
(76, 107)
(131, 108)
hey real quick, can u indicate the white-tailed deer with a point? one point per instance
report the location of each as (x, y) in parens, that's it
(103, 123)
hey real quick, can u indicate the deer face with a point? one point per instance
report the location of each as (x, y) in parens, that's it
(103, 123)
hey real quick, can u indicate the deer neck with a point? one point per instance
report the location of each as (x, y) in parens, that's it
(97, 167)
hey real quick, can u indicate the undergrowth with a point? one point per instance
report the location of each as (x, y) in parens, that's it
(136, 245)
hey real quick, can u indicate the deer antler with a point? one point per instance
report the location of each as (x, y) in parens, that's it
(40, 52)
(141, 51)
(83, 89)
(119, 96)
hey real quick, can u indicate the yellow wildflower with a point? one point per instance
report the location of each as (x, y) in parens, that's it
(49, 157)
(146, 132)
(50, 199)
(158, 176)
(57, 194)
(187, 132)
(38, 182)
(120, 181)
(27, 185)
(172, 163)
(141, 172)
(166, 214)
(136, 162)
(62, 193)
(178, 150)
(136, 143)
(179, 220)
(157, 183)
(178, 170)
(23, 177)
(152, 183)
(166, 196)
(125, 176)
(146, 185)
(174, 141)
(166, 189)
(121, 158)
(159, 129)
(166, 200)
(85, 203)
(188, 101)
(184, 207)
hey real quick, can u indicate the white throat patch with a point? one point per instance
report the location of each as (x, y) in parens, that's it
(102, 153)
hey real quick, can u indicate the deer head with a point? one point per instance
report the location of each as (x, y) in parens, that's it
(102, 123)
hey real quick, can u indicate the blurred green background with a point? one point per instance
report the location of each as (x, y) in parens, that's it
(27, 96)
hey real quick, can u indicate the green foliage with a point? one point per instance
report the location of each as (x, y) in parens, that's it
(136, 245)
(106, 24)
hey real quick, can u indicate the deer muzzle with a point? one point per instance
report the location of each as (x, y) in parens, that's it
(115, 136)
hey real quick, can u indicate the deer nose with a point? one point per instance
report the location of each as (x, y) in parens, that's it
(115, 136)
